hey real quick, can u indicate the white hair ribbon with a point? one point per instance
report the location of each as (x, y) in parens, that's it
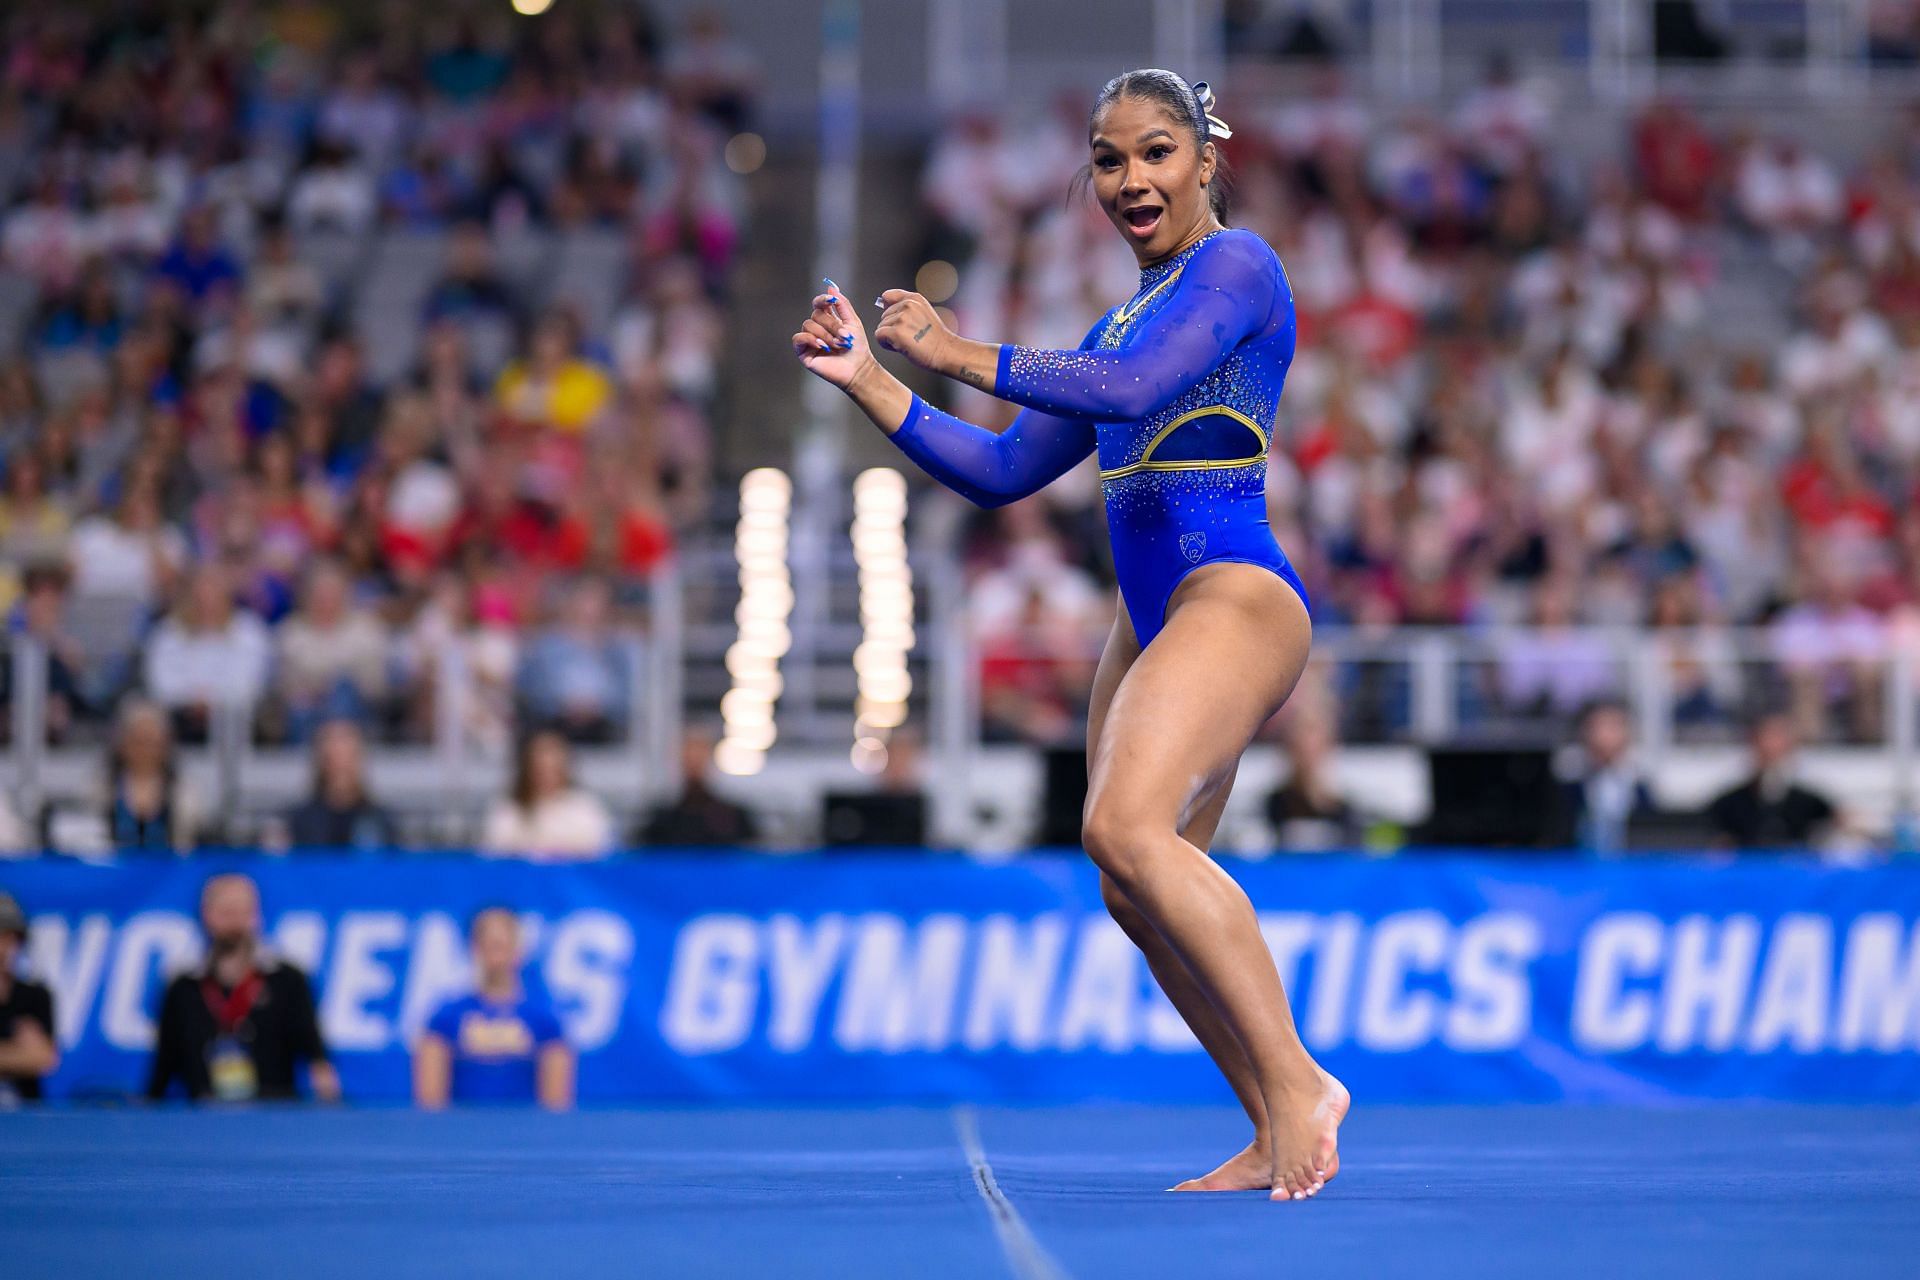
(1216, 127)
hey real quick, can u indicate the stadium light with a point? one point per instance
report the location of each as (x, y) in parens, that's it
(760, 543)
(937, 280)
(745, 153)
(886, 613)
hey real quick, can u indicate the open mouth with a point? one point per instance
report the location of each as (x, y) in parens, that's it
(1141, 219)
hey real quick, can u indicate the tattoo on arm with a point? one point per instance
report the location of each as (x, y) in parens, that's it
(974, 376)
(925, 329)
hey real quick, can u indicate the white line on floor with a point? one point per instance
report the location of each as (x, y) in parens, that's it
(1024, 1254)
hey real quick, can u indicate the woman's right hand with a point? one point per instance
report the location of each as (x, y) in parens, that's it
(831, 342)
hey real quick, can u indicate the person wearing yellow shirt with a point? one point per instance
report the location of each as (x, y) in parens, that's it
(554, 387)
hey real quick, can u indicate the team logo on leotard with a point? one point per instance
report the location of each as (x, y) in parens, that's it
(1193, 546)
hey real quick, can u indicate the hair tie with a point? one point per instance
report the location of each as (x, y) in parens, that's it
(1203, 94)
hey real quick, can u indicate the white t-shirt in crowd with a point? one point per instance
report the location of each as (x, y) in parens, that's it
(111, 560)
(572, 826)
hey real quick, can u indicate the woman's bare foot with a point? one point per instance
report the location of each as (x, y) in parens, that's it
(1251, 1170)
(1305, 1128)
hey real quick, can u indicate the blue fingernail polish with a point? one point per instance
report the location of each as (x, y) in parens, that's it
(831, 286)
(846, 341)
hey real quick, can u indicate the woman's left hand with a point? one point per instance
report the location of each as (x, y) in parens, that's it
(912, 327)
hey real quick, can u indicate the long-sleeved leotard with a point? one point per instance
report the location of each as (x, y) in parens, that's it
(1177, 391)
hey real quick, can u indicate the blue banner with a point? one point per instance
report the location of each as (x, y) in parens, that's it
(928, 976)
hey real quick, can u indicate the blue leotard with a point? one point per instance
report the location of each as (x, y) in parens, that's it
(1177, 391)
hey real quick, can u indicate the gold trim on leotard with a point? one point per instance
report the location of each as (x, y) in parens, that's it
(1124, 314)
(1146, 462)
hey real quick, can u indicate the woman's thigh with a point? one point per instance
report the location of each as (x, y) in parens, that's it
(1172, 731)
(1116, 659)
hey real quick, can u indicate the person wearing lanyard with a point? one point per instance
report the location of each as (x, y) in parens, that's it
(237, 1028)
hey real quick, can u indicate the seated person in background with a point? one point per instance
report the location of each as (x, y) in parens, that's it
(235, 1028)
(546, 817)
(555, 386)
(339, 814)
(699, 817)
(1603, 791)
(574, 675)
(1770, 810)
(27, 1050)
(1831, 649)
(498, 1044)
(42, 613)
(148, 807)
(1556, 667)
(1307, 811)
(332, 656)
(206, 654)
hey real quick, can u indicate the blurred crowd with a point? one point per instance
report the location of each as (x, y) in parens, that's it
(209, 500)
(1673, 389)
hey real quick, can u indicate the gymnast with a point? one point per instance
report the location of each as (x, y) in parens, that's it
(1175, 391)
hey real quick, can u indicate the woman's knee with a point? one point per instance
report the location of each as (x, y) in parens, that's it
(1117, 838)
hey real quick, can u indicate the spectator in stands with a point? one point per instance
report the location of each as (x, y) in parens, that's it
(1771, 810)
(332, 656)
(207, 655)
(1701, 665)
(339, 813)
(546, 817)
(454, 394)
(46, 236)
(237, 1027)
(1601, 790)
(28, 1053)
(1504, 120)
(132, 555)
(333, 193)
(690, 202)
(1555, 668)
(1788, 192)
(283, 290)
(712, 69)
(555, 386)
(575, 675)
(198, 265)
(42, 615)
(671, 334)
(34, 521)
(499, 1044)
(342, 397)
(148, 807)
(1307, 811)
(365, 117)
(1831, 648)
(1676, 158)
(475, 623)
(700, 817)
(473, 297)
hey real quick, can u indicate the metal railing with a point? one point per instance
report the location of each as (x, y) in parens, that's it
(1683, 688)
(1688, 691)
(441, 782)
